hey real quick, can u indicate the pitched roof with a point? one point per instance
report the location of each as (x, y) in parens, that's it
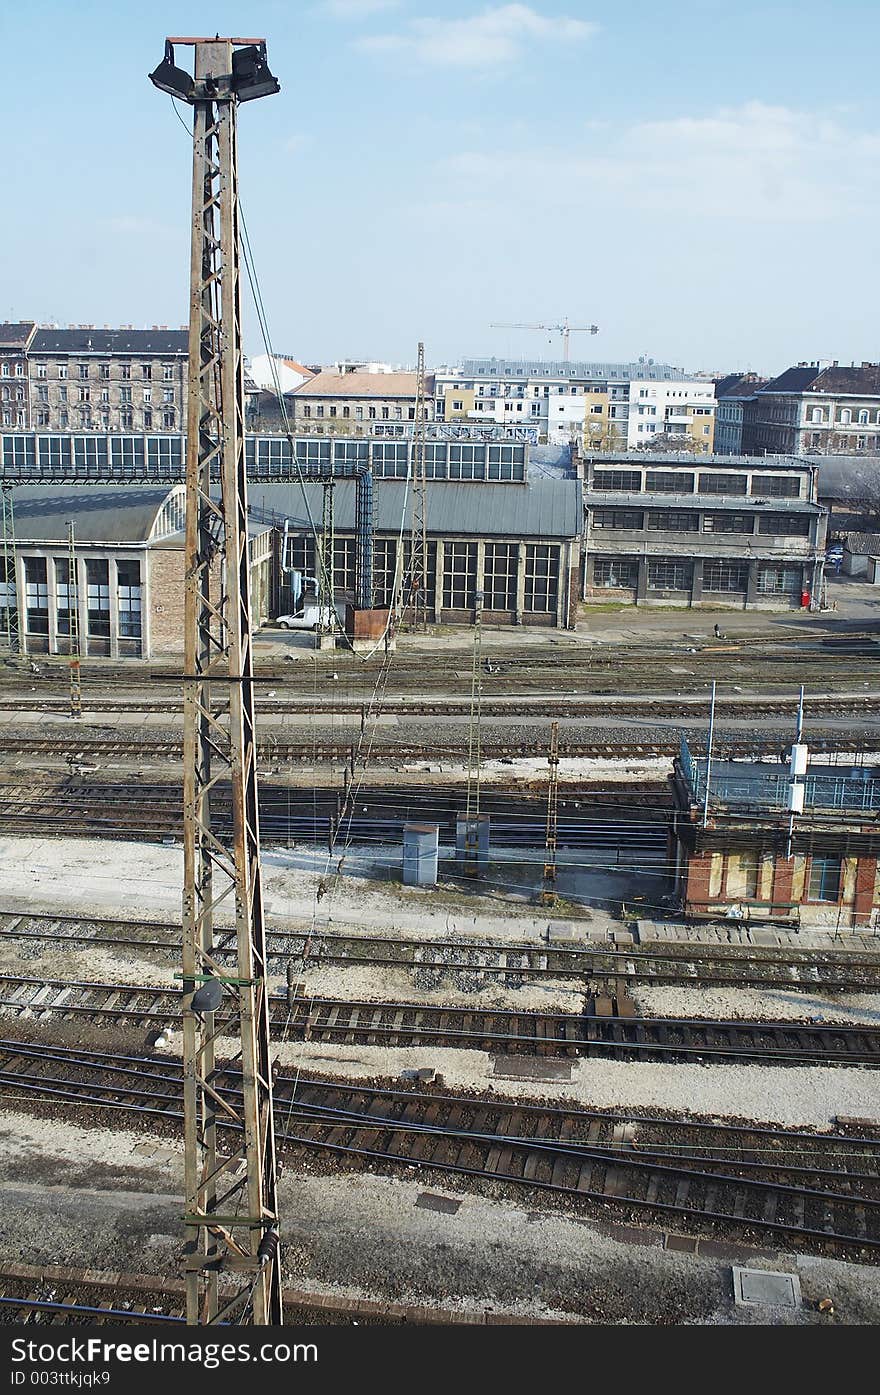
(863, 544)
(16, 336)
(104, 513)
(111, 341)
(299, 367)
(792, 380)
(738, 385)
(363, 385)
(865, 379)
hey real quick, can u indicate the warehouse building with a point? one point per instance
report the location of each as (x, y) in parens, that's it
(683, 530)
(741, 852)
(129, 576)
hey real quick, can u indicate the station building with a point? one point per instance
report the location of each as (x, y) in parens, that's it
(743, 854)
(670, 529)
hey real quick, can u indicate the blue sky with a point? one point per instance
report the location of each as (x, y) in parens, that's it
(700, 179)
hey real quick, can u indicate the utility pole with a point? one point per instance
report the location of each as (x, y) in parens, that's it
(231, 1213)
(475, 751)
(10, 572)
(418, 547)
(548, 893)
(73, 625)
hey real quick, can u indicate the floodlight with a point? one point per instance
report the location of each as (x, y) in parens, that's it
(250, 73)
(168, 78)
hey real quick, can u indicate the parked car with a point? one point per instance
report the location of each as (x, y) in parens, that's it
(311, 617)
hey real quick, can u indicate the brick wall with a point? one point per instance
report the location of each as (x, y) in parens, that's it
(166, 591)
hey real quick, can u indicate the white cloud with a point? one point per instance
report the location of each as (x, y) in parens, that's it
(485, 40)
(757, 162)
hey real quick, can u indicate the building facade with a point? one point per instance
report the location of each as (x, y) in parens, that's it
(731, 395)
(691, 530)
(596, 406)
(357, 403)
(742, 854)
(15, 340)
(815, 409)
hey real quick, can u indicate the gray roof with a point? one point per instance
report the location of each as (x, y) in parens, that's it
(563, 368)
(110, 341)
(863, 544)
(542, 509)
(101, 513)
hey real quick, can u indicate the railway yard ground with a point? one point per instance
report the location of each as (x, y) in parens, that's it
(487, 1108)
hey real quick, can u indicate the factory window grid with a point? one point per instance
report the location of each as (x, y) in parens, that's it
(165, 452)
(384, 566)
(674, 520)
(53, 452)
(435, 461)
(129, 598)
(391, 459)
(66, 598)
(728, 522)
(712, 483)
(314, 454)
(459, 575)
(98, 597)
(824, 882)
(724, 575)
(618, 519)
(171, 517)
(351, 453)
(541, 577)
(669, 482)
(431, 565)
(344, 564)
(626, 481)
(506, 462)
(670, 574)
(788, 525)
(776, 486)
(499, 576)
(615, 571)
(467, 462)
(36, 592)
(779, 581)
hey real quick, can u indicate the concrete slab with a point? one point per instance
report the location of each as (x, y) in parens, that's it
(767, 1287)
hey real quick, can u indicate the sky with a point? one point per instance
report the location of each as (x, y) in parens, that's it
(697, 178)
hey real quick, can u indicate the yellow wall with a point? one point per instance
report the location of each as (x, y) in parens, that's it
(453, 394)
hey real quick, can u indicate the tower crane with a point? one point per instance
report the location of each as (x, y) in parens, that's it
(565, 329)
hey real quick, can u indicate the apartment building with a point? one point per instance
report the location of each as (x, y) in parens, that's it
(358, 403)
(596, 406)
(14, 396)
(731, 394)
(87, 379)
(687, 530)
(815, 409)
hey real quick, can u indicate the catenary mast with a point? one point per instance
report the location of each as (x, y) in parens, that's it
(232, 1259)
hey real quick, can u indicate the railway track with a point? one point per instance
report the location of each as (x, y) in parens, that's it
(822, 1189)
(512, 963)
(606, 1027)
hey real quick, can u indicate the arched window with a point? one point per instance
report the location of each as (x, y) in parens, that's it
(817, 414)
(863, 418)
(845, 416)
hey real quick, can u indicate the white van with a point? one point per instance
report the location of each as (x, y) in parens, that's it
(311, 617)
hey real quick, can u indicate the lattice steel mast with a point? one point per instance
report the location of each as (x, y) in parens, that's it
(10, 572)
(231, 1210)
(418, 543)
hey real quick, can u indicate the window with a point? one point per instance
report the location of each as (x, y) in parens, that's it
(499, 576)
(674, 520)
(128, 596)
(384, 564)
(615, 571)
(542, 577)
(126, 419)
(105, 394)
(332, 411)
(344, 552)
(36, 590)
(19, 370)
(371, 412)
(42, 394)
(98, 597)
(845, 416)
(168, 420)
(147, 371)
(669, 482)
(459, 575)
(63, 421)
(618, 518)
(817, 414)
(749, 864)
(728, 522)
(41, 370)
(725, 576)
(83, 370)
(788, 525)
(398, 413)
(670, 574)
(627, 480)
(148, 394)
(84, 394)
(125, 394)
(385, 414)
(391, 459)
(722, 484)
(8, 593)
(467, 462)
(780, 581)
(168, 395)
(506, 463)
(65, 596)
(863, 418)
(825, 879)
(778, 486)
(148, 420)
(62, 370)
(168, 372)
(42, 419)
(104, 370)
(4, 370)
(346, 411)
(358, 413)
(457, 406)
(125, 370)
(307, 411)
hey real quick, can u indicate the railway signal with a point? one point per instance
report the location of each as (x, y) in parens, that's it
(230, 1178)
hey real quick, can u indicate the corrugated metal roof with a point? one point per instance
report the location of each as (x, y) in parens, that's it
(101, 513)
(863, 544)
(543, 509)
